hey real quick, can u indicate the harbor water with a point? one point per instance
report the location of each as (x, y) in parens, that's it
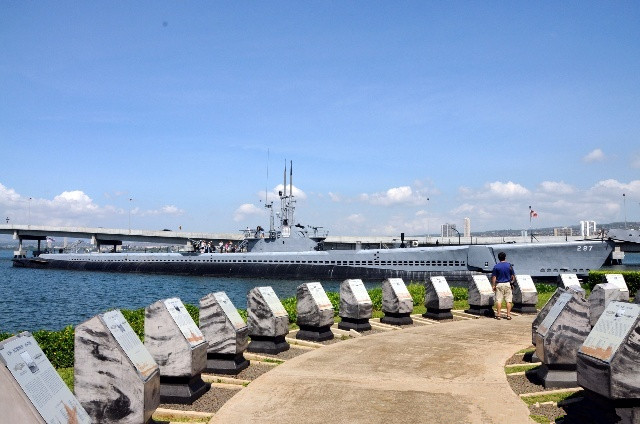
(34, 299)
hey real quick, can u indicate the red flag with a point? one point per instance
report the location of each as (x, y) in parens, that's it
(533, 214)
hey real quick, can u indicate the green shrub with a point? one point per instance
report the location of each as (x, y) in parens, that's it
(376, 298)
(335, 302)
(460, 293)
(546, 288)
(57, 345)
(243, 314)
(194, 311)
(417, 293)
(290, 304)
(135, 318)
(4, 336)
(632, 278)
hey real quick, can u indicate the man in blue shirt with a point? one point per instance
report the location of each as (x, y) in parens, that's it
(502, 277)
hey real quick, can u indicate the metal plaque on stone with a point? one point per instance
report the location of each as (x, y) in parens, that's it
(359, 291)
(272, 301)
(612, 328)
(40, 382)
(319, 296)
(616, 280)
(525, 295)
(525, 283)
(183, 320)
(570, 280)
(441, 286)
(229, 310)
(483, 284)
(130, 343)
(400, 289)
(554, 312)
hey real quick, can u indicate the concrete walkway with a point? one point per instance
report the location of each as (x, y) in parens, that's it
(445, 373)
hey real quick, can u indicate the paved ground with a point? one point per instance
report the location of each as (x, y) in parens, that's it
(444, 373)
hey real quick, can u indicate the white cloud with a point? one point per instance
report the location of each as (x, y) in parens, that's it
(508, 189)
(595, 155)
(396, 196)
(554, 187)
(356, 218)
(247, 210)
(335, 197)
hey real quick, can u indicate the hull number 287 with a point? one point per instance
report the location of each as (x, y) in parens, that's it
(585, 248)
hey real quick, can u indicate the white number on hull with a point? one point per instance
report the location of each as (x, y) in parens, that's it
(585, 248)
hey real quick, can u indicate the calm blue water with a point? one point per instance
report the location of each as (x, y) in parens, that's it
(34, 299)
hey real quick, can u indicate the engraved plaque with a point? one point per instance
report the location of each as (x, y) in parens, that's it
(525, 283)
(359, 291)
(40, 381)
(613, 326)
(554, 312)
(130, 343)
(272, 301)
(441, 286)
(229, 310)
(617, 280)
(183, 320)
(319, 296)
(570, 280)
(483, 284)
(399, 288)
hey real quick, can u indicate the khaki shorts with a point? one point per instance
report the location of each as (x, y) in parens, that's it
(503, 291)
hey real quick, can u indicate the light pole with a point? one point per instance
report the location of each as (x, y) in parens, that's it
(624, 208)
(29, 214)
(427, 240)
(454, 229)
(130, 199)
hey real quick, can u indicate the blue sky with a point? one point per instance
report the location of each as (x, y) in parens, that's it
(483, 108)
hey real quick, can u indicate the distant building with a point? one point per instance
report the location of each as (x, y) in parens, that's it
(467, 227)
(587, 228)
(448, 230)
(564, 231)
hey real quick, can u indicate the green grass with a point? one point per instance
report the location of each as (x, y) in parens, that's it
(540, 419)
(527, 350)
(67, 376)
(551, 397)
(520, 368)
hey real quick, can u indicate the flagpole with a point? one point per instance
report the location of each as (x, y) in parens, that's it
(530, 233)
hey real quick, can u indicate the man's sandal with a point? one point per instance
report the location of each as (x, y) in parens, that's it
(508, 317)
(497, 317)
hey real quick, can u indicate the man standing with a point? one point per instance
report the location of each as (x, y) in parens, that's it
(502, 277)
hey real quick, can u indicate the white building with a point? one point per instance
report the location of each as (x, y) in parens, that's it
(448, 230)
(467, 227)
(587, 228)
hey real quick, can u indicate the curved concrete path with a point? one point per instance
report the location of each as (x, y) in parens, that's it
(444, 373)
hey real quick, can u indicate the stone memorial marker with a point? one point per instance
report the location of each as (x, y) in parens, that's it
(397, 303)
(32, 391)
(612, 288)
(481, 296)
(608, 361)
(268, 322)
(525, 295)
(636, 298)
(570, 281)
(544, 312)
(315, 313)
(558, 338)
(179, 348)
(226, 332)
(356, 307)
(115, 377)
(438, 299)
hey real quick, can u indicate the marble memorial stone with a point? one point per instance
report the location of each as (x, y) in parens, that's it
(570, 281)
(544, 312)
(525, 295)
(179, 348)
(397, 303)
(315, 313)
(608, 361)
(612, 288)
(558, 338)
(267, 320)
(438, 299)
(115, 377)
(356, 307)
(481, 296)
(32, 390)
(226, 332)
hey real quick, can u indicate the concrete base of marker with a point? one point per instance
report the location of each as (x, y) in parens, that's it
(227, 364)
(266, 344)
(558, 376)
(182, 390)
(524, 308)
(534, 357)
(483, 311)
(314, 334)
(397, 318)
(438, 314)
(361, 324)
(596, 408)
